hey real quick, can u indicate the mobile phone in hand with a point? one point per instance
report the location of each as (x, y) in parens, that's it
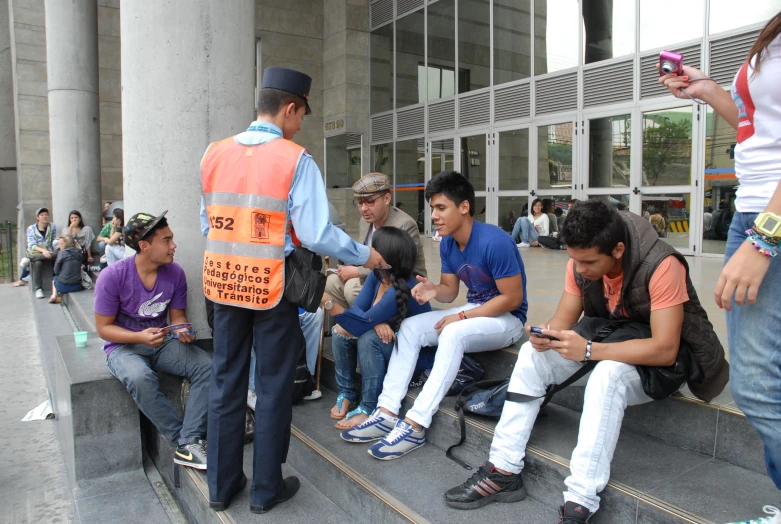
(537, 331)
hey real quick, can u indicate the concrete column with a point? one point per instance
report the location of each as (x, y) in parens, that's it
(188, 79)
(74, 114)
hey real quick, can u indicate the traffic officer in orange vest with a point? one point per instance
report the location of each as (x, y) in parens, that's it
(263, 195)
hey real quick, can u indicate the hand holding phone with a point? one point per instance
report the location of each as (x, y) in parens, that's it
(537, 331)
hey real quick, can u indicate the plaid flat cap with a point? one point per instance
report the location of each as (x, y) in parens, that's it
(370, 184)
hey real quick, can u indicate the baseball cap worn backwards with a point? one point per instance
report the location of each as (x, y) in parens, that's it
(138, 227)
(288, 80)
(370, 184)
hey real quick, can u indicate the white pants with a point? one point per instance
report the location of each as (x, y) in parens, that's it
(472, 335)
(610, 388)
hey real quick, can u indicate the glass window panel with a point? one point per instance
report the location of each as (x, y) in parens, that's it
(669, 214)
(474, 45)
(442, 159)
(381, 49)
(667, 147)
(480, 208)
(514, 160)
(725, 16)
(556, 206)
(660, 22)
(510, 210)
(609, 143)
(609, 29)
(556, 24)
(474, 161)
(441, 48)
(512, 40)
(620, 202)
(337, 162)
(554, 157)
(410, 178)
(410, 45)
(720, 185)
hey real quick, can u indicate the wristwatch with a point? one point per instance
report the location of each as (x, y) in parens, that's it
(768, 224)
(328, 305)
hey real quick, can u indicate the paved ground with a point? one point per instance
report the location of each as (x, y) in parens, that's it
(34, 483)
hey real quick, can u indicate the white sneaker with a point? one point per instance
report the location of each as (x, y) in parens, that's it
(252, 399)
(522, 244)
(316, 394)
(39, 293)
(775, 517)
(377, 426)
(104, 259)
(24, 263)
(398, 442)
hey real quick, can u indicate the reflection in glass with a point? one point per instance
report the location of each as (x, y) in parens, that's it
(512, 40)
(410, 178)
(474, 161)
(725, 16)
(609, 29)
(554, 158)
(609, 143)
(381, 70)
(620, 202)
(410, 45)
(441, 50)
(720, 184)
(660, 22)
(556, 207)
(514, 160)
(342, 160)
(382, 159)
(510, 209)
(474, 45)
(667, 147)
(669, 214)
(480, 209)
(442, 158)
(556, 29)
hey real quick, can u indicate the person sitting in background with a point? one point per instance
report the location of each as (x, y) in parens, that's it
(40, 250)
(115, 245)
(537, 224)
(365, 333)
(657, 220)
(549, 208)
(373, 199)
(67, 269)
(83, 235)
(106, 206)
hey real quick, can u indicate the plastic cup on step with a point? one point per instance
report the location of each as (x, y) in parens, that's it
(81, 339)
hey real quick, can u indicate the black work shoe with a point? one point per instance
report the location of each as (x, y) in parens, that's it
(573, 513)
(222, 506)
(486, 485)
(291, 485)
(192, 455)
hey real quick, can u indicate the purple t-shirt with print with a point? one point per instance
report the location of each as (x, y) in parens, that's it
(120, 293)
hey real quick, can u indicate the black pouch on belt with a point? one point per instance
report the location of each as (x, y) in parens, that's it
(304, 279)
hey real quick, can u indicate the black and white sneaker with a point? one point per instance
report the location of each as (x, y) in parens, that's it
(485, 486)
(192, 455)
(573, 513)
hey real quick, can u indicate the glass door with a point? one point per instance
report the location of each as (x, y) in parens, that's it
(509, 182)
(555, 172)
(411, 180)
(441, 157)
(664, 185)
(475, 164)
(607, 147)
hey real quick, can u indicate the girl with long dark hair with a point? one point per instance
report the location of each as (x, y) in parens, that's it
(365, 333)
(751, 278)
(83, 235)
(529, 229)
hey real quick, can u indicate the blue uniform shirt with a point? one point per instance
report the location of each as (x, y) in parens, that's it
(307, 205)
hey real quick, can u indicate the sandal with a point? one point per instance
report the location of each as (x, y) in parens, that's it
(340, 406)
(360, 410)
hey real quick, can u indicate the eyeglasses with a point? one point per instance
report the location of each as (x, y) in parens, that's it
(366, 201)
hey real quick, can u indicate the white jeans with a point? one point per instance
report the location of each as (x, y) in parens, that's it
(472, 335)
(610, 388)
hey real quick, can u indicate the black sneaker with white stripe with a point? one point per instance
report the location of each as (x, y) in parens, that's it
(192, 455)
(485, 486)
(574, 513)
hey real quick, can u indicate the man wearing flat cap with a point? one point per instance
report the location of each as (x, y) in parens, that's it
(371, 195)
(264, 198)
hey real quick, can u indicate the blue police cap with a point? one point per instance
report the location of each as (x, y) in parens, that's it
(288, 80)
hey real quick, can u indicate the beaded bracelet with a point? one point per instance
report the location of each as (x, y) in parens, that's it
(762, 247)
(773, 241)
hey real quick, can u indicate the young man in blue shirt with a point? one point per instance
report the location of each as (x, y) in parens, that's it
(486, 259)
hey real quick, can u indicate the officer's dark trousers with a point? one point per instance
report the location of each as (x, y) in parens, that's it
(278, 335)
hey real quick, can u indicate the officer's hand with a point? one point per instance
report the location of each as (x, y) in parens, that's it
(152, 337)
(348, 272)
(375, 260)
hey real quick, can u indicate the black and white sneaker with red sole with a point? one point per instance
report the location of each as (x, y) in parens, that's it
(485, 486)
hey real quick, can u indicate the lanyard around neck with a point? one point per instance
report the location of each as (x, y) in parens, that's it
(256, 126)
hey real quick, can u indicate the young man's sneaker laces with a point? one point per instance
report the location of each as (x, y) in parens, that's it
(398, 442)
(485, 486)
(774, 518)
(574, 513)
(192, 455)
(375, 427)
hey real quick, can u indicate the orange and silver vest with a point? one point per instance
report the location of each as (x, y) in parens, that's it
(245, 191)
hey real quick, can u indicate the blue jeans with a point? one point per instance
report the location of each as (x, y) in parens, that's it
(66, 288)
(372, 354)
(311, 325)
(135, 365)
(525, 231)
(755, 352)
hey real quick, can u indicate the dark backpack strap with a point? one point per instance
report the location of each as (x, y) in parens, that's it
(459, 407)
(554, 388)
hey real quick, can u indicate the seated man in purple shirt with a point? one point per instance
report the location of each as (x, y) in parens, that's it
(134, 299)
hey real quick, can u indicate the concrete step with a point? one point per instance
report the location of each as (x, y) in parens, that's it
(651, 480)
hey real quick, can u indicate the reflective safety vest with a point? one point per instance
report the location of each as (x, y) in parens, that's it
(245, 191)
